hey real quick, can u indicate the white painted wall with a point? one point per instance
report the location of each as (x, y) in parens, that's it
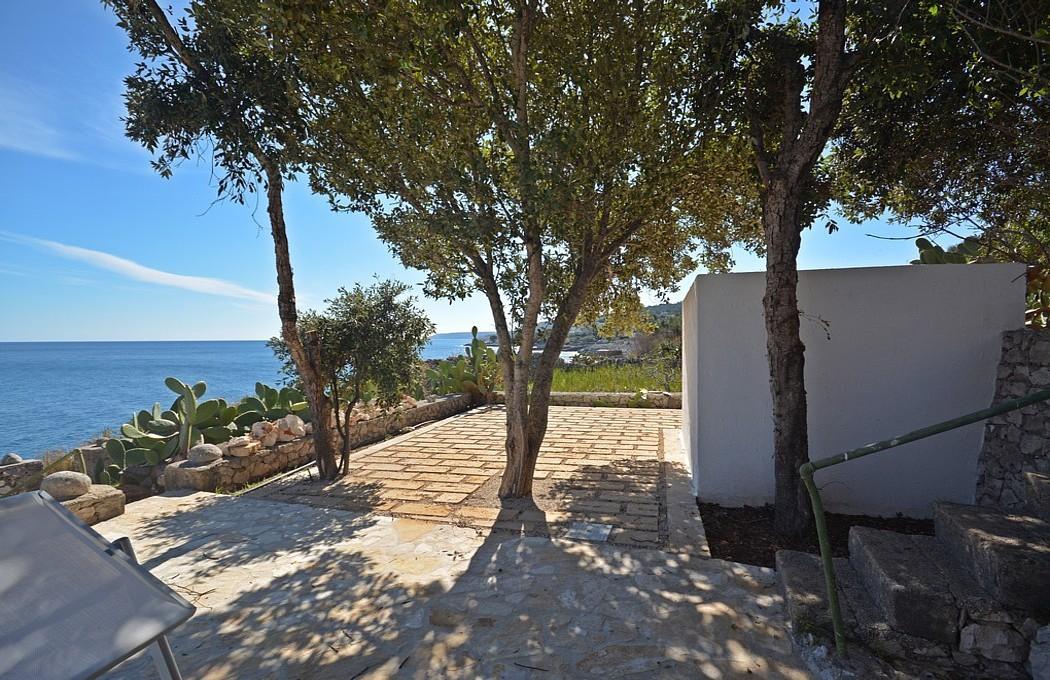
(888, 350)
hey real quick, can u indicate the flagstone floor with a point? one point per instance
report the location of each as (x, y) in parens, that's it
(288, 590)
(601, 471)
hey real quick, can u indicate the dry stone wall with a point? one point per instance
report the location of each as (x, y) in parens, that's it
(19, 477)
(244, 463)
(1019, 441)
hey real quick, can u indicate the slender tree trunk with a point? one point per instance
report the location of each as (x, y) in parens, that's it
(306, 354)
(305, 351)
(780, 218)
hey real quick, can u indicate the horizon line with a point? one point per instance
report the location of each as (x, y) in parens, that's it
(14, 342)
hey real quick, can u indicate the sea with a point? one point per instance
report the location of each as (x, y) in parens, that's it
(58, 395)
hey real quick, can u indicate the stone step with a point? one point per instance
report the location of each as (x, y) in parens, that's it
(1008, 555)
(910, 590)
(802, 584)
(1037, 494)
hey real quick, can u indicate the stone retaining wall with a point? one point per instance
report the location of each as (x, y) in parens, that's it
(610, 399)
(250, 464)
(19, 477)
(376, 429)
(1016, 442)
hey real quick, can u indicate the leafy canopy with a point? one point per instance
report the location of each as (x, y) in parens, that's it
(242, 107)
(940, 133)
(370, 340)
(477, 134)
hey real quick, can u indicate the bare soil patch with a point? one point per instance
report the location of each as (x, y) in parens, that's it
(746, 534)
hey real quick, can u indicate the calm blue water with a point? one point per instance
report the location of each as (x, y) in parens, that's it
(56, 395)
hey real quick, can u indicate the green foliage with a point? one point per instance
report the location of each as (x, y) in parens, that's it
(370, 339)
(626, 377)
(479, 372)
(584, 147)
(210, 83)
(186, 423)
(240, 106)
(122, 455)
(271, 403)
(946, 129)
(667, 364)
(964, 252)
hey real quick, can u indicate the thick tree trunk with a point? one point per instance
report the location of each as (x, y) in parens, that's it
(786, 352)
(528, 410)
(785, 175)
(305, 354)
(522, 449)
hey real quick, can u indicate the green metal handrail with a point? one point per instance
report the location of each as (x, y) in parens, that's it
(807, 470)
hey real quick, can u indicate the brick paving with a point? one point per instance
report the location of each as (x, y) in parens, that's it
(596, 465)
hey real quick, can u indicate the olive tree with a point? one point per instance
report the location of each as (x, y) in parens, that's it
(210, 84)
(558, 157)
(369, 340)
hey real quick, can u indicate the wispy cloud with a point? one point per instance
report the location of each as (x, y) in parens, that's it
(69, 124)
(133, 270)
(24, 124)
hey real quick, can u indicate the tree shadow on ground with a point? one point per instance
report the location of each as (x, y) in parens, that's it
(321, 593)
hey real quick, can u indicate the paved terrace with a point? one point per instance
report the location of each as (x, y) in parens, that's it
(287, 590)
(611, 473)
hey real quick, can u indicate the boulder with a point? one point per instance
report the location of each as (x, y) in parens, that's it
(204, 453)
(11, 459)
(265, 432)
(1039, 656)
(66, 485)
(994, 641)
(290, 427)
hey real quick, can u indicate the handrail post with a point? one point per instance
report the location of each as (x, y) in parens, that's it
(826, 558)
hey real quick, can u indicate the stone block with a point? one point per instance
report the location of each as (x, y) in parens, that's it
(993, 641)
(186, 475)
(1039, 655)
(19, 477)
(1006, 553)
(66, 484)
(202, 454)
(909, 589)
(239, 447)
(805, 596)
(99, 503)
(1037, 494)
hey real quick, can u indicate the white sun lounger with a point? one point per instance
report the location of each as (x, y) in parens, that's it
(72, 604)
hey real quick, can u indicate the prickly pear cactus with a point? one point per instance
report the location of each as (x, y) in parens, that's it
(481, 374)
(269, 403)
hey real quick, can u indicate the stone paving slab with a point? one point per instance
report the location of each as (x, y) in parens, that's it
(294, 591)
(596, 465)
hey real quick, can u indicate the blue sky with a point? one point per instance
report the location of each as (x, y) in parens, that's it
(95, 246)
